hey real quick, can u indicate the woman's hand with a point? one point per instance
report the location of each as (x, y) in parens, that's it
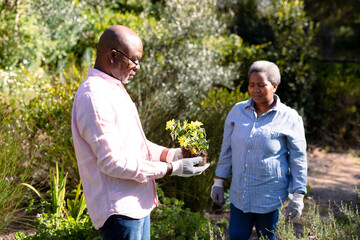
(295, 207)
(217, 191)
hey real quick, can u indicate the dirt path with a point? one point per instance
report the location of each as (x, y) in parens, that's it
(333, 176)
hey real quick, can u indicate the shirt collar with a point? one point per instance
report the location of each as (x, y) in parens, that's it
(276, 107)
(97, 73)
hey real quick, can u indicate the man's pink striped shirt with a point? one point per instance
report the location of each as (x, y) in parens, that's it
(117, 164)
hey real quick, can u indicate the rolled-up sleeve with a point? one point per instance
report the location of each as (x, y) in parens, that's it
(155, 150)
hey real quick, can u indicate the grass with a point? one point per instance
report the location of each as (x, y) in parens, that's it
(16, 155)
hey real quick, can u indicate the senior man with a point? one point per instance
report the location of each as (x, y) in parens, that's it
(117, 164)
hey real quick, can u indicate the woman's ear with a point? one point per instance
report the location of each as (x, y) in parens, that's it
(274, 88)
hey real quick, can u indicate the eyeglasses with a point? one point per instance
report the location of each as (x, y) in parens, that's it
(136, 63)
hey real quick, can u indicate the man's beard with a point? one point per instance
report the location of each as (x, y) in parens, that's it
(125, 81)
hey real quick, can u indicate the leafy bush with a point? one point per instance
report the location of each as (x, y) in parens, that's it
(45, 104)
(51, 226)
(50, 113)
(217, 105)
(21, 84)
(182, 61)
(293, 50)
(336, 90)
(171, 221)
(57, 219)
(40, 33)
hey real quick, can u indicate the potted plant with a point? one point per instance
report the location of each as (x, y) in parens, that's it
(191, 138)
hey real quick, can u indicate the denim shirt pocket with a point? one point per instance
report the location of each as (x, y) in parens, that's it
(271, 142)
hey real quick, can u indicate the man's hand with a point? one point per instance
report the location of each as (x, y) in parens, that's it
(174, 154)
(295, 207)
(217, 191)
(186, 167)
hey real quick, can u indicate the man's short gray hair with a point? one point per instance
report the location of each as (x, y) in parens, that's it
(269, 68)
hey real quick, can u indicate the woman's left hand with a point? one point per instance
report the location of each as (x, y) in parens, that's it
(295, 207)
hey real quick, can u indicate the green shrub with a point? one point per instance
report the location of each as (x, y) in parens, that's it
(183, 60)
(51, 226)
(22, 85)
(336, 90)
(170, 220)
(57, 219)
(40, 33)
(45, 104)
(50, 113)
(57, 204)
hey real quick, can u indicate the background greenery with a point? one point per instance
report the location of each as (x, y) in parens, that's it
(196, 57)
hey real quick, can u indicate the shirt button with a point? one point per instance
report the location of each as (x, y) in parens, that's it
(248, 150)
(246, 165)
(245, 179)
(244, 190)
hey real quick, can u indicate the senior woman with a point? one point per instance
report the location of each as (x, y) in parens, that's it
(264, 148)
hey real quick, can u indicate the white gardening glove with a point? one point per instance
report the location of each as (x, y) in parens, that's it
(295, 207)
(217, 191)
(174, 154)
(185, 167)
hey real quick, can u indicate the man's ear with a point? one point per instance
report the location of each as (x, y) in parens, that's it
(112, 56)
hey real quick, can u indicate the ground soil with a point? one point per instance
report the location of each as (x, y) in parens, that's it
(331, 176)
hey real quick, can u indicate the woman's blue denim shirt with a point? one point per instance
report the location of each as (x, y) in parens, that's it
(266, 156)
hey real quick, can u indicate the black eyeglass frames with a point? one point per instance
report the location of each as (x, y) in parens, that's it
(136, 63)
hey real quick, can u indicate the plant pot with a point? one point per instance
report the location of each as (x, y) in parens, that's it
(187, 154)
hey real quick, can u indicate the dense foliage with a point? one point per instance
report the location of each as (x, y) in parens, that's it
(339, 33)
(336, 90)
(196, 57)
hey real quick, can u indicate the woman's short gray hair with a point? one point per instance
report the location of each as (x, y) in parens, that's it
(269, 68)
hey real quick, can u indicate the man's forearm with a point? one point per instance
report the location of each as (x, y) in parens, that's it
(164, 155)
